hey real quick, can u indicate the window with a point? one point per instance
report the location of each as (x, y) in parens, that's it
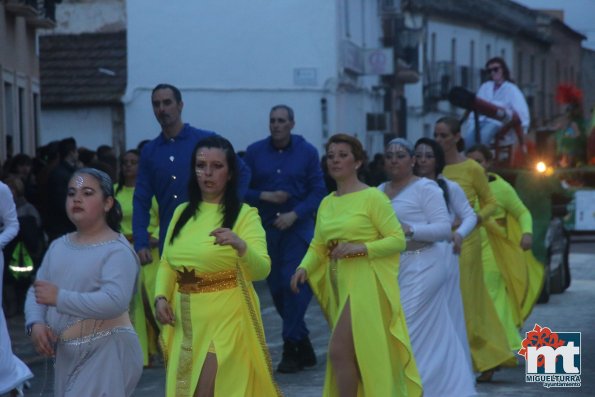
(8, 111)
(532, 68)
(433, 48)
(19, 144)
(36, 116)
(347, 26)
(472, 64)
(543, 89)
(488, 52)
(519, 68)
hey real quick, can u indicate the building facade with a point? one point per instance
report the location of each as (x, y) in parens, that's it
(234, 60)
(83, 74)
(449, 41)
(19, 74)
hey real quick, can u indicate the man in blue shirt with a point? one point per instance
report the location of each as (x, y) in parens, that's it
(287, 187)
(164, 168)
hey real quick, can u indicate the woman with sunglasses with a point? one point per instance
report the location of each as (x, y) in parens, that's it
(501, 91)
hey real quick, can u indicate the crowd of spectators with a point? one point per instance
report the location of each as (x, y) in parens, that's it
(39, 190)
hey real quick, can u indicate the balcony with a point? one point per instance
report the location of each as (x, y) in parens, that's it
(38, 13)
(25, 8)
(443, 75)
(389, 7)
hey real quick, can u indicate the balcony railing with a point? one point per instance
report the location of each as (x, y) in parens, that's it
(442, 76)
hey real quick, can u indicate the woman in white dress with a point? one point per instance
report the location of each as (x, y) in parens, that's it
(13, 372)
(420, 207)
(429, 163)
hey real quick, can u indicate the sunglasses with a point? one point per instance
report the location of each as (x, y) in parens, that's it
(495, 69)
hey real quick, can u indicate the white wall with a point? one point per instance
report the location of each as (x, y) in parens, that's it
(233, 60)
(90, 126)
(89, 16)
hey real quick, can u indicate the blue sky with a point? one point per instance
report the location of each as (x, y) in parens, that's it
(578, 14)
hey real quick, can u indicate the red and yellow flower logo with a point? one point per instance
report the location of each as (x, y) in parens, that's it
(538, 337)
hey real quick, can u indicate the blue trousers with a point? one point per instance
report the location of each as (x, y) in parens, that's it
(287, 249)
(487, 132)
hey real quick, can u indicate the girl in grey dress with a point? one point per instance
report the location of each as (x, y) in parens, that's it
(77, 309)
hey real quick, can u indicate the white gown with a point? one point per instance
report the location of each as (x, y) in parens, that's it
(13, 372)
(422, 280)
(460, 210)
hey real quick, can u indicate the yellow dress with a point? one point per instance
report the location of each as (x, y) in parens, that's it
(221, 318)
(522, 274)
(487, 340)
(381, 339)
(142, 311)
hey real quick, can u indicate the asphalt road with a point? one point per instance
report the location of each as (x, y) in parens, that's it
(571, 311)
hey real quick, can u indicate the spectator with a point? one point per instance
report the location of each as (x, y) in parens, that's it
(287, 186)
(164, 168)
(57, 222)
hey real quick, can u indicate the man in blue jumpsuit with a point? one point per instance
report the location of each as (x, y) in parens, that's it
(164, 168)
(287, 187)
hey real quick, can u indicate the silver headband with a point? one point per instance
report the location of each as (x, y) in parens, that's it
(105, 182)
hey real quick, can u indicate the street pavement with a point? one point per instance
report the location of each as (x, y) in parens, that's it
(571, 311)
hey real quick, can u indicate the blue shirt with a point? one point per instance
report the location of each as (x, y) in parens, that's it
(295, 170)
(163, 172)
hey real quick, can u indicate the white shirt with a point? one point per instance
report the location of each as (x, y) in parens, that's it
(9, 224)
(509, 96)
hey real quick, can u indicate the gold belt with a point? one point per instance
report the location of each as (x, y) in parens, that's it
(333, 243)
(190, 282)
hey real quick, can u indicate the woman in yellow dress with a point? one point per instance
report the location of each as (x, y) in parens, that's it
(142, 312)
(213, 338)
(352, 266)
(487, 340)
(513, 276)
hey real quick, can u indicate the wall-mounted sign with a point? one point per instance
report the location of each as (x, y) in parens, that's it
(305, 76)
(379, 61)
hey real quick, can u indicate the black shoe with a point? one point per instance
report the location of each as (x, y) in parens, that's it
(306, 353)
(290, 362)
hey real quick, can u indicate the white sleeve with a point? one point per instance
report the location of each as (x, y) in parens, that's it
(8, 216)
(36, 312)
(459, 204)
(519, 104)
(434, 207)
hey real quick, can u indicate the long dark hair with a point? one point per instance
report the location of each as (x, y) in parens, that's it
(121, 173)
(439, 164)
(500, 61)
(231, 204)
